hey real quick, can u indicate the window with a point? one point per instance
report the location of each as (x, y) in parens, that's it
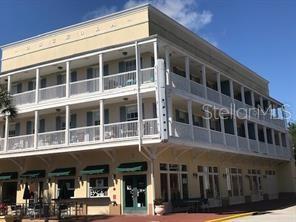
(98, 187)
(284, 143)
(182, 116)
(131, 113)
(126, 66)
(60, 123)
(69, 183)
(236, 181)
(197, 121)
(93, 118)
(208, 181)
(174, 181)
(254, 177)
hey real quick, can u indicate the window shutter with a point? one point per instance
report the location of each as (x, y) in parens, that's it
(122, 114)
(106, 116)
(89, 118)
(29, 127)
(154, 110)
(121, 66)
(73, 76)
(106, 70)
(89, 73)
(73, 120)
(43, 83)
(19, 88)
(42, 126)
(17, 129)
(59, 79)
(58, 123)
(30, 85)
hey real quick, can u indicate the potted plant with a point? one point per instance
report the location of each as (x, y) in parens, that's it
(159, 207)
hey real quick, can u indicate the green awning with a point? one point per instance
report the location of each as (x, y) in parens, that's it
(61, 172)
(8, 176)
(33, 174)
(132, 167)
(97, 169)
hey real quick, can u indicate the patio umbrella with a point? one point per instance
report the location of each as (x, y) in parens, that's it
(27, 194)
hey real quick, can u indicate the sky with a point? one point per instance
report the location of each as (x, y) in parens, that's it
(260, 34)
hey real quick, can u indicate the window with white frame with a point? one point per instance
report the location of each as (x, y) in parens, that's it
(98, 187)
(208, 181)
(69, 183)
(236, 180)
(131, 112)
(255, 183)
(173, 181)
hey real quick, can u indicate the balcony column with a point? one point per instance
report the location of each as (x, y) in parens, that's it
(243, 95)
(265, 137)
(168, 65)
(247, 132)
(189, 107)
(102, 120)
(67, 134)
(139, 96)
(223, 128)
(204, 79)
(101, 73)
(276, 111)
(273, 136)
(37, 85)
(68, 79)
(187, 72)
(269, 110)
(208, 126)
(6, 132)
(235, 129)
(219, 86)
(36, 126)
(284, 115)
(280, 138)
(256, 134)
(231, 88)
(261, 102)
(253, 98)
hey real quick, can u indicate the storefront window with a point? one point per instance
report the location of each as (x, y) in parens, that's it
(208, 181)
(70, 185)
(236, 182)
(164, 186)
(98, 187)
(254, 177)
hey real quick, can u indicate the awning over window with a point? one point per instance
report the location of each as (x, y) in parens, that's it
(8, 176)
(132, 167)
(61, 172)
(97, 169)
(33, 174)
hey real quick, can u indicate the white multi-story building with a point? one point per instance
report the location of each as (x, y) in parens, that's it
(114, 108)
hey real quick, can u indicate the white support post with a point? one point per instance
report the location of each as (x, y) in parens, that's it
(68, 79)
(273, 136)
(139, 97)
(222, 123)
(37, 85)
(247, 133)
(6, 133)
(189, 107)
(36, 126)
(243, 95)
(67, 125)
(102, 120)
(256, 134)
(253, 98)
(101, 73)
(265, 135)
(204, 79)
(187, 72)
(235, 130)
(280, 139)
(168, 65)
(219, 86)
(231, 88)
(208, 126)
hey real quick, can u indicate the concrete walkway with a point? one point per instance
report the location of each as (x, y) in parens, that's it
(282, 215)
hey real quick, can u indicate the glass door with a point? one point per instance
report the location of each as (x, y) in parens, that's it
(134, 194)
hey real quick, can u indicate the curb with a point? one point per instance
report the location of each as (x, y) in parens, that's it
(231, 217)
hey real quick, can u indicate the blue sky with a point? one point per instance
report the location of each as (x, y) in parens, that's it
(259, 34)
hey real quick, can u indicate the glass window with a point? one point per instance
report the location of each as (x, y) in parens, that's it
(185, 186)
(164, 186)
(69, 183)
(163, 166)
(131, 113)
(98, 187)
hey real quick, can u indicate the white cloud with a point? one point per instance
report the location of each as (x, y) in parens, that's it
(99, 12)
(183, 11)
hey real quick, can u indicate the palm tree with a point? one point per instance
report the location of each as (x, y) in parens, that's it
(6, 106)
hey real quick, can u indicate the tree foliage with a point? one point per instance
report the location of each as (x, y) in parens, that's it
(6, 106)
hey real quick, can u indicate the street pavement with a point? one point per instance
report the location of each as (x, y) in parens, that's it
(282, 215)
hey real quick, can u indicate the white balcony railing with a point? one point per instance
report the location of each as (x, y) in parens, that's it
(20, 142)
(120, 80)
(254, 145)
(147, 75)
(201, 134)
(150, 127)
(181, 130)
(271, 149)
(24, 98)
(121, 130)
(51, 138)
(85, 86)
(197, 89)
(2, 141)
(84, 134)
(213, 95)
(263, 147)
(231, 141)
(243, 144)
(226, 100)
(179, 82)
(217, 137)
(52, 92)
